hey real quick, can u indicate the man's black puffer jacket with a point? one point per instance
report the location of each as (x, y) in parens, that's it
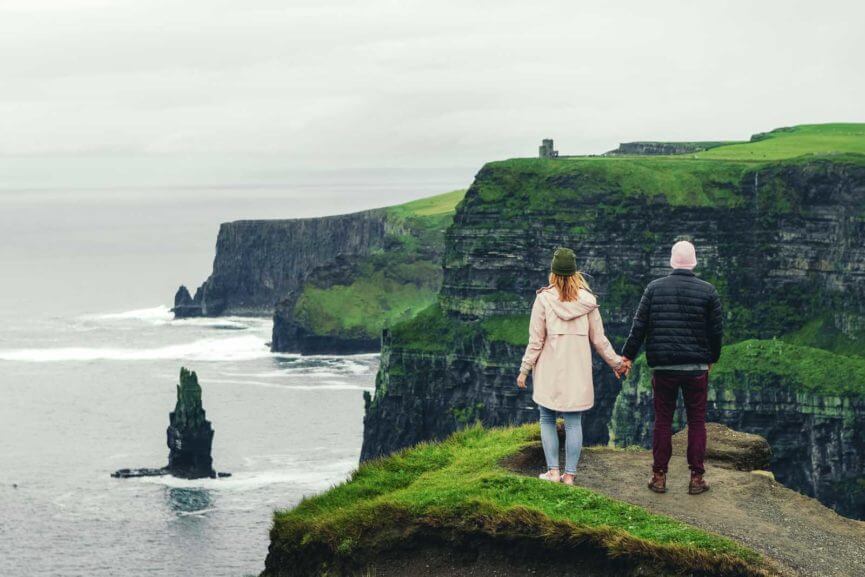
(681, 321)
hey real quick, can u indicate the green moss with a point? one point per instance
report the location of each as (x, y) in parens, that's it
(511, 329)
(775, 363)
(562, 189)
(544, 185)
(459, 486)
(432, 331)
(469, 414)
(388, 287)
(821, 333)
(364, 307)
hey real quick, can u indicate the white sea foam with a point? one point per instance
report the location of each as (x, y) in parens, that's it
(240, 348)
(317, 478)
(162, 315)
(155, 315)
(322, 386)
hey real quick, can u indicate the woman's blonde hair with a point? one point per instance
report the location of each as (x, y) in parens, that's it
(569, 286)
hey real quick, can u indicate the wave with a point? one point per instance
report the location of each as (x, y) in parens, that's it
(326, 385)
(162, 315)
(320, 477)
(241, 348)
(158, 314)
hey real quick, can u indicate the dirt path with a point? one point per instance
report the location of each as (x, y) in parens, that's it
(804, 537)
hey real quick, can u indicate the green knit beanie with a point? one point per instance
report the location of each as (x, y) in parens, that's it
(564, 262)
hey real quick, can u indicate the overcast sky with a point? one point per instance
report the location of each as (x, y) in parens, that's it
(204, 91)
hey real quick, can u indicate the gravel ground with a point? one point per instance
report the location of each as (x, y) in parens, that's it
(802, 536)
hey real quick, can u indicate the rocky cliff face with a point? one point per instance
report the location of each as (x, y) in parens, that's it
(783, 243)
(259, 262)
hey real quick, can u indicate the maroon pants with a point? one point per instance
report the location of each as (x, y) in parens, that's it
(666, 387)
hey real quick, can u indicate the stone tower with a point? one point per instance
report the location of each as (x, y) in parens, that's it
(545, 150)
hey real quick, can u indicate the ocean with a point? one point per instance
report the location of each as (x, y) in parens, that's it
(89, 360)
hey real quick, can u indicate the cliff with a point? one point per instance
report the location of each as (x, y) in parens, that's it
(782, 240)
(331, 283)
(260, 261)
(473, 505)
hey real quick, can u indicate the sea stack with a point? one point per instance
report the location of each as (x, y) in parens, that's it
(190, 437)
(190, 434)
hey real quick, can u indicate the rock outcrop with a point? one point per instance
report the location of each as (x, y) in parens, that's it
(190, 434)
(190, 437)
(784, 243)
(729, 449)
(818, 440)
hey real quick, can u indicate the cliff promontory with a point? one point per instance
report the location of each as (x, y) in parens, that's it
(780, 228)
(331, 283)
(473, 505)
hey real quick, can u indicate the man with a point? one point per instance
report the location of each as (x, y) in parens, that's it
(680, 319)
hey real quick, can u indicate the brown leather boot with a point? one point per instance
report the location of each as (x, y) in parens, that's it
(658, 484)
(698, 484)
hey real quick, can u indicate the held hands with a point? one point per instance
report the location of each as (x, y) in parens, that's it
(624, 368)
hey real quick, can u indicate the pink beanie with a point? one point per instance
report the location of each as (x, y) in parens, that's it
(683, 255)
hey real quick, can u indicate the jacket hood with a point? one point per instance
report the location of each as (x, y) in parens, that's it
(569, 310)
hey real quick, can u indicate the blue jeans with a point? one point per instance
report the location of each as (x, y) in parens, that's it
(573, 439)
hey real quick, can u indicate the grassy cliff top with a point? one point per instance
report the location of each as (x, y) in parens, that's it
(709, 178)
(779, 144)
(805, 139)
(459, 488)
(771, 363)
(445, 203)
(764, 363)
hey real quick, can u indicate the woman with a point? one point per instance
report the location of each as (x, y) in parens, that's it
(565, 321)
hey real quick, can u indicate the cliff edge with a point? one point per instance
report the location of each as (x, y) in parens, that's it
(472, 505)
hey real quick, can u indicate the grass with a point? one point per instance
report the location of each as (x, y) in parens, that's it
(458, 487)
(437, 205)
(511, 329)
(431, 331)
(772, 363)
(389, 287)
(712, 178)
(540, 184)
(775, 363)
(821, 333)
(806, 139)
(385, 292)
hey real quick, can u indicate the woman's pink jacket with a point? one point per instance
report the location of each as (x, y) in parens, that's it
(559, 353)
